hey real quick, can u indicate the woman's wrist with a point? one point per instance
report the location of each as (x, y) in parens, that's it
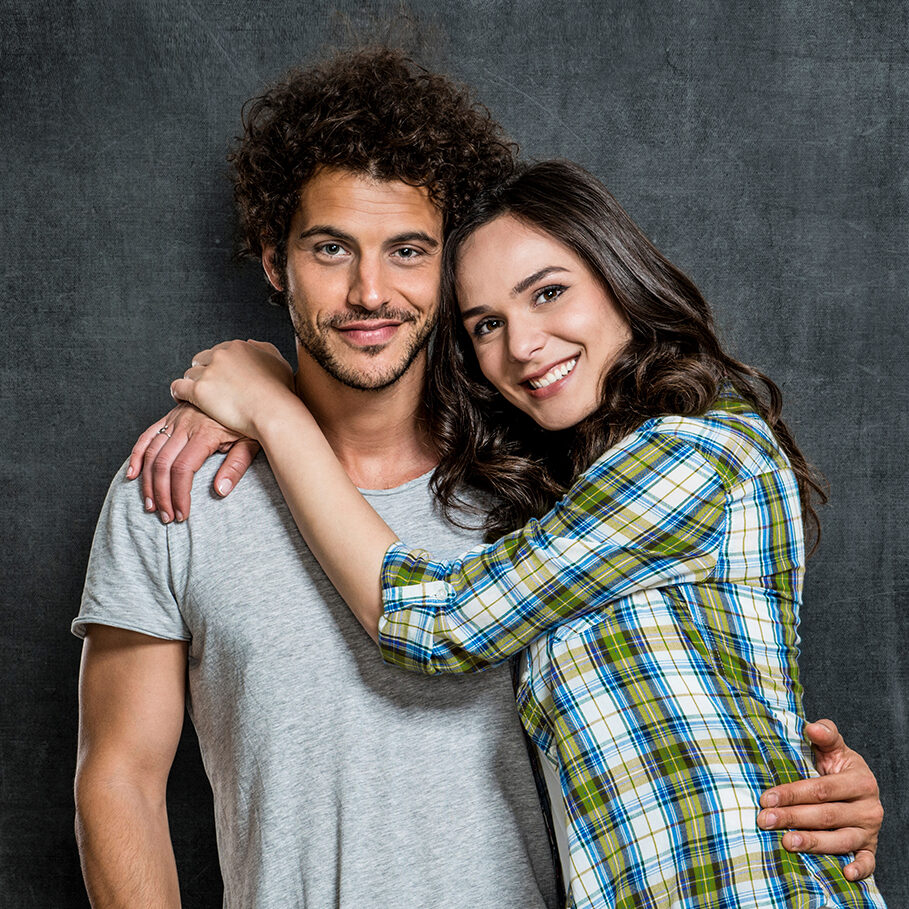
(280, 414)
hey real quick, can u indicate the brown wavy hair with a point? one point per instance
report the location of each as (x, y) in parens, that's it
(373, 111)
(673, 363)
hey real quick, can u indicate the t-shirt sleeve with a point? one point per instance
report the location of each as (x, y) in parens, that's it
(649, 513)
(129, 581)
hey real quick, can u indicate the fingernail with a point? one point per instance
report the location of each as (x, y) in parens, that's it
(179, 515)
(130, 472)
(795, 841)
(149, 505)
(767, 819)
(770, 799)
(165, 517)
(224, 487)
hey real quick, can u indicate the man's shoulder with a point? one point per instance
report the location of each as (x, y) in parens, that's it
(139, 567)
(257, 485)
(125, 528)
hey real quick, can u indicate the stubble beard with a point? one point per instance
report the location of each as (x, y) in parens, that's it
(314, 340)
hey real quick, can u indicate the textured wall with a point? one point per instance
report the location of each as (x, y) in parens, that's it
(763, 146)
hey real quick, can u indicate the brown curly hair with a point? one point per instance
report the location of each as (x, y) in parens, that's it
(373, 111)
(673, 364)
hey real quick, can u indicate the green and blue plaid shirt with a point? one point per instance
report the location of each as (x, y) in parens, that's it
(656, 606)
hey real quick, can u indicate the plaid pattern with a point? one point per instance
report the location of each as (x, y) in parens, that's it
(656, 606)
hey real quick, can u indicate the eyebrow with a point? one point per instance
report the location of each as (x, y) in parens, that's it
(328, 230)
(410, 236)
(416, 235)
(519, 288)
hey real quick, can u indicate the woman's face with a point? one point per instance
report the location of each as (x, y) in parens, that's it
(543, 328)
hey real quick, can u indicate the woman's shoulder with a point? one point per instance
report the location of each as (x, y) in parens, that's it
(731, 436)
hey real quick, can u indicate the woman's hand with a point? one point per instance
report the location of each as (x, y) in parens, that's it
(169, 453)
(235, 382)
(835, 813)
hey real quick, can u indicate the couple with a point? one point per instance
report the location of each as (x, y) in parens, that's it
(648, 574)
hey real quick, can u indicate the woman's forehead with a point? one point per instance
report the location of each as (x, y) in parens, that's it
(499, 258)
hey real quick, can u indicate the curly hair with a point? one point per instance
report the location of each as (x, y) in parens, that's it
(371, 111)
(673, 364)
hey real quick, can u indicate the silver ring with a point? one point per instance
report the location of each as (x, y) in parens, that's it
(163, 429)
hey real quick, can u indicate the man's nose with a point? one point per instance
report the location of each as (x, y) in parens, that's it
(369, 287)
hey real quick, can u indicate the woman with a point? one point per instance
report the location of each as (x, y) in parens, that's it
(655, 600)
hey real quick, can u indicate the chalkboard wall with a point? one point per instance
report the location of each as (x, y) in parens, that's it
(763, 146)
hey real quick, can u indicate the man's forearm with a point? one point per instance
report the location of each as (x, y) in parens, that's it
(124, 843)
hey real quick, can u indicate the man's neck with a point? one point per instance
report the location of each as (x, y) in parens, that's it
(380, 437)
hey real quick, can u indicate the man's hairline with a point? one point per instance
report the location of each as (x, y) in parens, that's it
(356, 171)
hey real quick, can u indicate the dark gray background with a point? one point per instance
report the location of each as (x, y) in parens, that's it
(762, 145)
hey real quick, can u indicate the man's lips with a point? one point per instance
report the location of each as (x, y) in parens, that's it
(369, 334)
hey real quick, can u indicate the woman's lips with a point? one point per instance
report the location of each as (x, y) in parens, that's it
(550, 382)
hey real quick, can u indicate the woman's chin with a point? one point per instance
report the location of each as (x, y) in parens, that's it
(554, 421)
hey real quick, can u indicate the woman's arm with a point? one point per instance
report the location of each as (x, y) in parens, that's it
(341, 528)
(248, 386)
(651, 514)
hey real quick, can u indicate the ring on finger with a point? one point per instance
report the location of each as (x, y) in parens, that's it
(163, 430)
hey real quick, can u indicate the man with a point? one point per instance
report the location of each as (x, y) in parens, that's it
(311, 744)
(346, 180)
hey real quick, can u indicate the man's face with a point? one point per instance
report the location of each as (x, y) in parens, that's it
(362, 277)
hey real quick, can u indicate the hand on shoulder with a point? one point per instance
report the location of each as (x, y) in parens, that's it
(170, 452)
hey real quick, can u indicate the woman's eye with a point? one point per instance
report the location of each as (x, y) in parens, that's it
(548, 294)
(485, 326)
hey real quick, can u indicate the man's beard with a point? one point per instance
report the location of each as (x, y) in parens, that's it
(314, 341)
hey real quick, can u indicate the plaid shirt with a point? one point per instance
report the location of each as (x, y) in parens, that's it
(656, 606)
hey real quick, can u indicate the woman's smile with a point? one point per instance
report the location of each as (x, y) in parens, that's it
(551, 381)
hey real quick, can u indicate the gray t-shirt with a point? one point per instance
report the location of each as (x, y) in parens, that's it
(338, 781)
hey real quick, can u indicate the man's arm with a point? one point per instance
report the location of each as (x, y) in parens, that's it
(131, 704)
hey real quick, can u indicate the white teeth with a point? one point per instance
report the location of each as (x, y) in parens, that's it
(554, 374)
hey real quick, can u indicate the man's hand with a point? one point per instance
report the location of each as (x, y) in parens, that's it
(168, 460)
(835, 813)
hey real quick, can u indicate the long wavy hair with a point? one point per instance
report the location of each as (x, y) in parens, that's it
(673, 363)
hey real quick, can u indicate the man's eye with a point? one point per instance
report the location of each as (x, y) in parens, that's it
(548, 294)
(330, 249)
(408, 252)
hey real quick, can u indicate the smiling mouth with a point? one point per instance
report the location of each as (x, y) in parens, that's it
(553, 375)
(369, 333)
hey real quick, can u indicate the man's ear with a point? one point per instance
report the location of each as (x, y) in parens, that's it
(272, 272)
